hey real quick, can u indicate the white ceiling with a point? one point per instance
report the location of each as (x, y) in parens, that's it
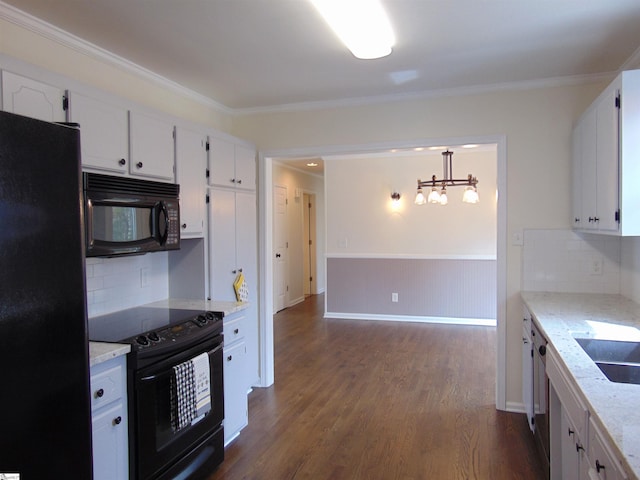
(253, 55)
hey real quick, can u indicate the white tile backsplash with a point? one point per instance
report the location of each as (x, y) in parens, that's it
(566, 261)
(117, 283)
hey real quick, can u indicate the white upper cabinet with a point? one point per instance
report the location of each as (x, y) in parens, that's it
(606, 161)
(104, 133)
(24, 96)
(191, 164)
(151, 147)
(231, 164)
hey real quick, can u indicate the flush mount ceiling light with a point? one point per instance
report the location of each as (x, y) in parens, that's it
(362, 25)
(438, 193)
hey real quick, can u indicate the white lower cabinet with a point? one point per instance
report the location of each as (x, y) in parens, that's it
(236, 410)
(603, 461)
(109, 420)
(579, 450)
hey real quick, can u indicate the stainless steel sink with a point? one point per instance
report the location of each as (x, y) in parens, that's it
(618, 360)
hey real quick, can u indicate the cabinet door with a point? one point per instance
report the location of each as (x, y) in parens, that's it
(151, 147)
(527, 375)
(110, 452)
(235, 391)
(221, 162)
(589, 190)
(247, 259)
(30, 98)
(570, 454)
(222, 238)
(104, 133)
(191, 160)
(607, 161)
(576, 177)
(603, 462)
(245, 167)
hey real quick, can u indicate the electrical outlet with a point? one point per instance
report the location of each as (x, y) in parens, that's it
(394, 297)
(596, 266)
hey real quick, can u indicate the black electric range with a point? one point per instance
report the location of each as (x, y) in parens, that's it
(155, 332)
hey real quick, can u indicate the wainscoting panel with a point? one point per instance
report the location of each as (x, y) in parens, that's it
(433, 288)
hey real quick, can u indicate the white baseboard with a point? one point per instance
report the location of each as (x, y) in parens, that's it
(486, 322)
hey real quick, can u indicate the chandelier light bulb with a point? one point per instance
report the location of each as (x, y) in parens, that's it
(470, 195)
(443, 197)
(434, 196)
(420, 200)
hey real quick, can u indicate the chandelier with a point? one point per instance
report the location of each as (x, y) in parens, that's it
(438, 193)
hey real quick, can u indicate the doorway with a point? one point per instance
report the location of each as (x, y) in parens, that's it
(309, 244)
(266, 162)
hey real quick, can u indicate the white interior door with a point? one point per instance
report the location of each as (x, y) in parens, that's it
(279, 247)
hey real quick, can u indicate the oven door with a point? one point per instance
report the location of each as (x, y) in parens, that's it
(157, 448)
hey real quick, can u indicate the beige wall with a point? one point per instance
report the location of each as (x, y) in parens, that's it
(364, 221)
(537, 124)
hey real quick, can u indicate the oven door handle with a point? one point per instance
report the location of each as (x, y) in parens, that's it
(150, 378)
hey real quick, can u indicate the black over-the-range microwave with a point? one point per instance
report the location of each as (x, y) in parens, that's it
(127, 216)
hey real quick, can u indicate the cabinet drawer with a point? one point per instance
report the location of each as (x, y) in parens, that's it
(601, 456)
(107, 386)
(572, 402)
(234, 330)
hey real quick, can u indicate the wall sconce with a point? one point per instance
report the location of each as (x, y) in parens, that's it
(395, 200)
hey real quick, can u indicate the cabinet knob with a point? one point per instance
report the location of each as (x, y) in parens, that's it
(239, 181)
(99, 393)
(184, 225)
(599, 466)
(236, 331)
(229, 358)
(579, 447)
(570, 432)
(524, 340)
(232, 180)
(117, 420)
(122, 162)
(576, 220)
(139, 164)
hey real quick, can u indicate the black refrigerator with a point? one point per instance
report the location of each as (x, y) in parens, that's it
(45, 412)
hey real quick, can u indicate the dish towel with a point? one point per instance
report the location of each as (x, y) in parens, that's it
(203, 384)
(183, 395)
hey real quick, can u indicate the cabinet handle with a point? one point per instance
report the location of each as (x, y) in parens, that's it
(571, 432)
(239, 181)
(139, 164)
(117, 420)
(232, 180)
(576, 220)
(596, 219)
(184, 225)
(240, 270)
(229, 358)
(234, 271)
(236, 331)
(599, 466)
(122, 162)
(99, 393)
(579, 447)
(524, 340)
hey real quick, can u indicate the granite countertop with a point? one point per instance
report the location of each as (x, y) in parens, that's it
(102, 351)
(613, 406)
(212, 305)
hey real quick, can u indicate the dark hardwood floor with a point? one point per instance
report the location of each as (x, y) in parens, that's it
(379, 400)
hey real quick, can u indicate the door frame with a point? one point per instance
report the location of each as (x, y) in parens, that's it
(265, 218)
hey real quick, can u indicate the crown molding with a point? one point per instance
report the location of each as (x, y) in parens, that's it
(66, 39)
(439, 93)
